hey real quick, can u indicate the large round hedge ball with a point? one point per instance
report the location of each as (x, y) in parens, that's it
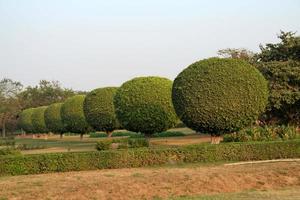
(99, 109)
(53, 118)
(25, 120)
(38, 120)
(144, 105)
(217, 95)
(72, 115)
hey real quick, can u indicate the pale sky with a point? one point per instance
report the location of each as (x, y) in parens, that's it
(86, 44)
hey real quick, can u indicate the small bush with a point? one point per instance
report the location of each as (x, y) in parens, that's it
(142, 157)
(122, 143)
(169, 134)
(138, 142)
(266, 133)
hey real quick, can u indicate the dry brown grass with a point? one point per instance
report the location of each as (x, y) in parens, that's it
(149, 183)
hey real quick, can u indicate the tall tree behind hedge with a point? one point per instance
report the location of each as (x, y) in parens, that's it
(44, 94)
(9, 102)
(284, 85)
(287, 49)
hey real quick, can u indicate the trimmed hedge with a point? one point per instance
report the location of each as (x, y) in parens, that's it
(72, 115)
(219, 96)
(144, 105)
(76, 161)
(99, 109)
(53, 118)
(38, 120)
(25, 122)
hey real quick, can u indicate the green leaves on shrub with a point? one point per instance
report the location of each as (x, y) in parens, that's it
(53, 118)
(72, 115)
(142, 157)
(266, 133)
(38, 120)
(144, 105)
(25, 120)
(122, 143)
(219, 95)
(99, 109)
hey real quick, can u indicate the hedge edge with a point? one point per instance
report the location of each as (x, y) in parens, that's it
(77, 161)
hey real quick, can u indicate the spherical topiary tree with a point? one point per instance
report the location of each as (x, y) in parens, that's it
(99, 109)
(53, 119)
(219, 96)
(38, 120)
(25, 122)
(73, 117)
(144, 105)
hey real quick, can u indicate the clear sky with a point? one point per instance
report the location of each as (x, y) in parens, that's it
(86, 44)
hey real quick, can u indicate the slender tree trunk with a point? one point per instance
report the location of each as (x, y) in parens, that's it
(61, 135)
(215, 139)
(3, 129)
(109, 133)
(81, 136)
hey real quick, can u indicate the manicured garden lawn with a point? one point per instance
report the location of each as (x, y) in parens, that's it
(73, 143)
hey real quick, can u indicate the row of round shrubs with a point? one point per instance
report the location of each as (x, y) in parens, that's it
(213, 96)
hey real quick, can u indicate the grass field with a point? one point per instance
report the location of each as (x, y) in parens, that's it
(279, 180)
(73, 143)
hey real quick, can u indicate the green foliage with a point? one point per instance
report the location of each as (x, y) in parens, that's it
(46, 93)
(99, 109)
(117, 134)
(9, 151)
(266, 133)
(142, 157)
(284, 86)
(72, 115)
(53, 118)
(219, 95)
(287, 49)
(38, 120)
(169, 134)
(9, 104)
(25, 120)
(144, 105)
(122, 143)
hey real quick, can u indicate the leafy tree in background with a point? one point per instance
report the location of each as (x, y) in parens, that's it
(46, 93)
(9, 102)
(287, 49)
(241, 53)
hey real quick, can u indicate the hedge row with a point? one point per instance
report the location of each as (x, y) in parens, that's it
(62, 162)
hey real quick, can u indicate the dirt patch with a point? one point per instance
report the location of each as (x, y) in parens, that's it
(141, 183)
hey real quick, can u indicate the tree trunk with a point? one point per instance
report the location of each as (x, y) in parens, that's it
(215, 139)
(3, 129)
(81, 136)
(109, 133)
(61, 135)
